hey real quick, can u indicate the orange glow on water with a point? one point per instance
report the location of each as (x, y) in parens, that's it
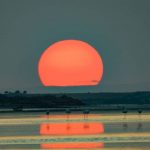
(71, 116)
(70, 63)
(76, 145)
(79, 128)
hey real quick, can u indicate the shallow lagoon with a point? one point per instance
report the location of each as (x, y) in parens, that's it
(100, 130)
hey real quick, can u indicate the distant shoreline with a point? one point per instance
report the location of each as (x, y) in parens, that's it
(107, 108)
(75, 101)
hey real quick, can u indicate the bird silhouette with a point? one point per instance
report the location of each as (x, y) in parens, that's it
(85, 113)
(68, 112)
(125, 111)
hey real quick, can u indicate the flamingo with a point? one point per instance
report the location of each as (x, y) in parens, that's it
(124, 111)
(68, 112)
(86, 112)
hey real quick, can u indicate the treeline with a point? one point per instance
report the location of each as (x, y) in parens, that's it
(19, 101)
(113, 98)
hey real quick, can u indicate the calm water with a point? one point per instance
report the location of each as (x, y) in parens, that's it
(84, 133)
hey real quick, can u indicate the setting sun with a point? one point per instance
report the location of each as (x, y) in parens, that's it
(70, 63)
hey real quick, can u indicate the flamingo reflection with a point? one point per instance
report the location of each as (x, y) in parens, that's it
(139, 126)
(125, 126)
(76, 128)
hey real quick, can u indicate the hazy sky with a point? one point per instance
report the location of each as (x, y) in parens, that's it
(118, 29)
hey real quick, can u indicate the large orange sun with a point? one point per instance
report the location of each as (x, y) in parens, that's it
(70, 63)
